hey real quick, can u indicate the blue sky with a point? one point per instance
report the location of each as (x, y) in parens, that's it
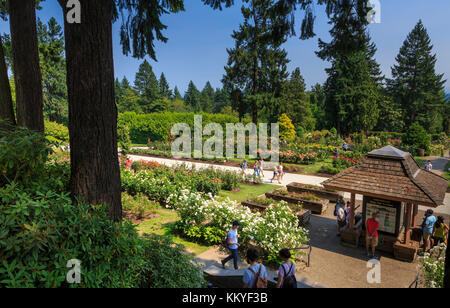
(198, 39)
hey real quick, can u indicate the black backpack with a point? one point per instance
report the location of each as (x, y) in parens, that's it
(289, 280)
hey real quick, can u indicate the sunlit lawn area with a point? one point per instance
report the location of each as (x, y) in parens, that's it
(247, 192)
(161, 226)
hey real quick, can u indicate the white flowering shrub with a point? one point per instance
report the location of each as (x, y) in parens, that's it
(432, 267)
(273, 230)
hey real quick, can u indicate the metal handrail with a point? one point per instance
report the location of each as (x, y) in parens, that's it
(306, 247)
(415, 283)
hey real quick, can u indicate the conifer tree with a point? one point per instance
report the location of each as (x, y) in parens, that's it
(256, 65)
(192, 98)
(148, 87)
(415, 86)
(353, 85)
(164, 87)
(295, 103)
(177, 94)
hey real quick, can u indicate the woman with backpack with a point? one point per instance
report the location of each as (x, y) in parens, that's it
(286, 272)
(255, 277)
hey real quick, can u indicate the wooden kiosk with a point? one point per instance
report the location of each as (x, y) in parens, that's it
(392, 184)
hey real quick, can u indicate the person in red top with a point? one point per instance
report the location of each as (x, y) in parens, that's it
(372, 227)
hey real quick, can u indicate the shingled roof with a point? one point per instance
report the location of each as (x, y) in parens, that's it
(391, 174)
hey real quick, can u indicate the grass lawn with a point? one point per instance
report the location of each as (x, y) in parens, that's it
(161, 226)
(247, 192)
(447, 172)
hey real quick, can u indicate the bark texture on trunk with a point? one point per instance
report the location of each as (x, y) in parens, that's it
(6, 105)
(92, 110)
(27, 73)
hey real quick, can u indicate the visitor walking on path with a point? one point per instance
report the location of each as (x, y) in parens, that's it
(427, 228)
(440, 231)
(281, 171)
(233, 244)
(261, 167)
(339, 212)
(276, 175)
(244, 169)
(286, 272)
(372, 226)
(256, 168)
(256, 275)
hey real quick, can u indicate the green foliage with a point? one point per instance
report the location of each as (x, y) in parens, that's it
(148, 88)
(53, 67)
(22, 155)
(157, 126)
(139, 205)
(204, 234)
(417, 137)
(45, 230)
(124, 139)
(353, 85)
(256, 67)
(415, 85)
(287, 129)
(168, 266)
(56, 134)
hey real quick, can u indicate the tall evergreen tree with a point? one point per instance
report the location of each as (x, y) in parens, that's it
(53, 67)
(192, 98)
(222, 99)
(295, 103)
(353, 85)
(148, 87)
(256, 65)
(207, 98)
(164, 87)
(415, 84)
(317, 97)
(177, 94)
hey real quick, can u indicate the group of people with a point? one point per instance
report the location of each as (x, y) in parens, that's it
(342, 212)
(258, 169)
(435, 231)
(255, 276)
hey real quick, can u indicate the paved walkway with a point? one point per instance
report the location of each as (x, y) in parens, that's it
(288, 178)
(332, 264)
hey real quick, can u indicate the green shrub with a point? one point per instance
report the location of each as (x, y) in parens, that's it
(22, 155)
(416, 136)
(123, 136)
(43, 230)
(157, 126)
(56, 134)
(168, 266)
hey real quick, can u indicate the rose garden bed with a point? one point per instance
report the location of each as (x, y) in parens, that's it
(318, 191)
(307, 200)
(260, 205)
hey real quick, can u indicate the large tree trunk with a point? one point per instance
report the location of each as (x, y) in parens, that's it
(6, 105)
(95, 172)
(27, 73)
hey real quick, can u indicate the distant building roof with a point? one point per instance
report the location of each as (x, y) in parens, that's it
(389, 173)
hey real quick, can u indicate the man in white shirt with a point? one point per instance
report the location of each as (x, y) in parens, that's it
(233, 245)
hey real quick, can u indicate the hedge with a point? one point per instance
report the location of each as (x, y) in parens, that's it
(156, 126)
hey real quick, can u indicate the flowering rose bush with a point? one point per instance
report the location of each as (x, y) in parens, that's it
(346, 160)
(432, 267)
(273, 230)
